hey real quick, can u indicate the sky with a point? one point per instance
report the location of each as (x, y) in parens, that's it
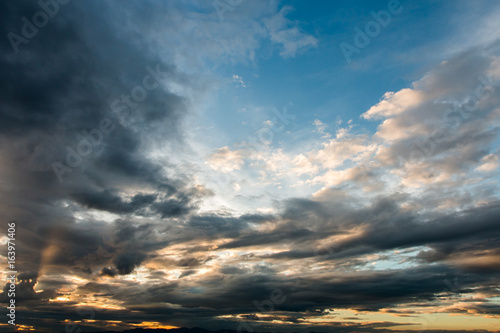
(256, 166)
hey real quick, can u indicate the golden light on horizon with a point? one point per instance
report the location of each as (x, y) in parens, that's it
(154, 325)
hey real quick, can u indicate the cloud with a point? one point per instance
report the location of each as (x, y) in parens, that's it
(227, 160)
(394, 104)
(127, 261)
(290, 38)
(431, 135)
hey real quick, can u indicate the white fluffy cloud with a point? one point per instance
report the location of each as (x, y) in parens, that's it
(431, 137)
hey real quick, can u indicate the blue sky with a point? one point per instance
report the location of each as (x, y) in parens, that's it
(318, 80)
(309, 74)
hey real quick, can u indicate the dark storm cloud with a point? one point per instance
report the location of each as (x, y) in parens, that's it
(386, 226)
(230, 270)
(62, 83)
(111, 202)
(127, 261)
(248, 294)
(106, 271)
(216, 225)
(25, 289)
(55, 93)
(139, 204)
(365, 291)
(269, 238)
(187, 273)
